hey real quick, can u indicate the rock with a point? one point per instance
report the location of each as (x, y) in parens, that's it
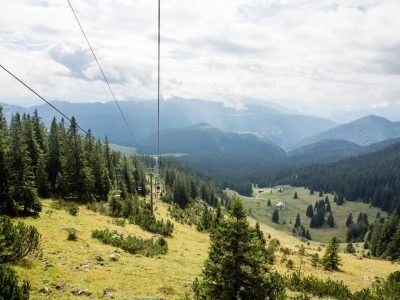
(45, 290)
(114, 256)
(107, 293)
(84, 292)
(59, 287)
(85, 266)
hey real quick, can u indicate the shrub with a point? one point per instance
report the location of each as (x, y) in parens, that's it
(119, 222)
(319, 287)
(10, 287)
(17, 240)
(71, 234)
(73, 209)
(131, 244)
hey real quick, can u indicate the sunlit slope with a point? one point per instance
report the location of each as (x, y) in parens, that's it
(67, 266)
(73, 265)
(262, 212)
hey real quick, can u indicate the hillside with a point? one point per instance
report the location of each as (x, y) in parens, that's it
(326, 151)
(69, 265)
(372, 177)
(365, 131)
(262, 212)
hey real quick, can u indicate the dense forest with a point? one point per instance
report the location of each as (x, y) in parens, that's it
(59, 162)
(373, 178)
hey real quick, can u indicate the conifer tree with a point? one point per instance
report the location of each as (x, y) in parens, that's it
(4, 197)
(331, 221)
(22, 192)
(295, 196)
(269, 202)
(349, 220)
(54, 155)
(236, 267)
(310, 211)
(298, 221)
(275, 216)
(331, 260)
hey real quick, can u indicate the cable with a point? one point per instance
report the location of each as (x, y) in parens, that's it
(37, 94)
(158, 84)
(104, 76)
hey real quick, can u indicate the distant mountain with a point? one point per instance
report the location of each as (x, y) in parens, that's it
(326, 151)
(269, 122)
(223, 155)
(365, 131)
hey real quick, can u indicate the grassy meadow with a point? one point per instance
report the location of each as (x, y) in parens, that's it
(65, 266)
(262, 212)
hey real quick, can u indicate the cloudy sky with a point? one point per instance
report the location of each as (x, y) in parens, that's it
(335, 58)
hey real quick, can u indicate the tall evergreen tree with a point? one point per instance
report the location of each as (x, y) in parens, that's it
(331, 221)
(298, 221)
(295, 196)
(275, 216)
(54, 155)
(22, 192)
(349, 220)
(331, 260)
(310, 211)
(236, 267)
(5, 205)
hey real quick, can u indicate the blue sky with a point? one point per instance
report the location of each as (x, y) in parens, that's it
(339, 59)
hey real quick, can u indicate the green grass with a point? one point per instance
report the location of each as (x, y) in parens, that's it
(263, 213)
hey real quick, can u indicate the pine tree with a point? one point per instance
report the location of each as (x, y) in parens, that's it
(54, 155)
(42, 183)
(310, 211)
(321, 194)
(350, 248)
(22, 192)
(295, 196)
(331, 259)
(308, 235)
(5, 204)
(259, 233)
(275, 216)
(349, 220)
(269, 202)
(236, 267)
(328, 206)
(331, 221)
(298, 221)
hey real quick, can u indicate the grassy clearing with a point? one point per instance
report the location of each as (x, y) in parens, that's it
(263, 213)
(74, 265)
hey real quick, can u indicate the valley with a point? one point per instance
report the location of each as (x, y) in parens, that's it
(257, 206)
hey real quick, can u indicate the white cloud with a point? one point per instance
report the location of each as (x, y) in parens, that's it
(321, 57)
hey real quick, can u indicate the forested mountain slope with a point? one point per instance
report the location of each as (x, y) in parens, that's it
(373, 178)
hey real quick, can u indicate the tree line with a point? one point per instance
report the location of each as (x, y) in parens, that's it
(373, 178)
(60, 162)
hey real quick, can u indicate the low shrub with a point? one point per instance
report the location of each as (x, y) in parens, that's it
(73, 209)
(132, 244)
(319, 287)
(17, 240)
(10, 288)
(119, 222)
(71, 234)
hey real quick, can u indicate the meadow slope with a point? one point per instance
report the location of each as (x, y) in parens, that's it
(66, 266)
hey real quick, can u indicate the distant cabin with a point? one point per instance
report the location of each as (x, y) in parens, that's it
(261, 190)
(281, 190)
(280, 206)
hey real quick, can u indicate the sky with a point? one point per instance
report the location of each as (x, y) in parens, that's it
(334, 58)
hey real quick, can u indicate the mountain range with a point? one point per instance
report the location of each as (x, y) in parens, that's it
(199, 129)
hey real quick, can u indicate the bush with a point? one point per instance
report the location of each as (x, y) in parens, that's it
(71, 234)
(319, 287)
(132, 244)
(119, 222)
(17, 240)
(10, 287)
(73, 209)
